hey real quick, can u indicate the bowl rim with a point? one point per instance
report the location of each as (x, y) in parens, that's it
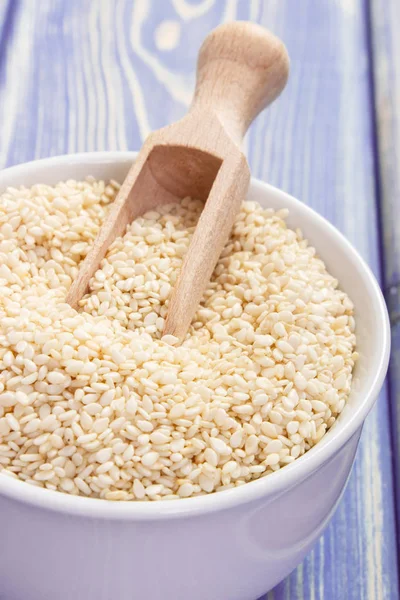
(275, 483)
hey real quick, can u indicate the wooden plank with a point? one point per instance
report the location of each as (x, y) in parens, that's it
(69, 82)
(385, 20)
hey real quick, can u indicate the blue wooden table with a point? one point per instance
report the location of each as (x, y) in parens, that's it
(79, 75)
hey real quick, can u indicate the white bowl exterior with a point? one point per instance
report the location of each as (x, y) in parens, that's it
(232, 545)
(234, 554)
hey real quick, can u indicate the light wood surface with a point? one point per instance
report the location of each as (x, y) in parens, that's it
(317, 142)
(241, 69)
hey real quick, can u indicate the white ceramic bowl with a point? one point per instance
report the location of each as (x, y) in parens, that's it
(232, 545)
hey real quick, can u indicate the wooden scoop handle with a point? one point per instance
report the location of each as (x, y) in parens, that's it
(241, 69)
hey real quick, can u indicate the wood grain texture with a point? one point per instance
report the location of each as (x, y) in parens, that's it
(69, 82)
(385, 22)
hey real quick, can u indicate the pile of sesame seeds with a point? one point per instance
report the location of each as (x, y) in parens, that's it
(98, 403)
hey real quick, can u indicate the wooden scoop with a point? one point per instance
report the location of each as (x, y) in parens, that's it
(241, 69)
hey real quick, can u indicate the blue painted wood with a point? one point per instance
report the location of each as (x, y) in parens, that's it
(385, 21)
(98, 74)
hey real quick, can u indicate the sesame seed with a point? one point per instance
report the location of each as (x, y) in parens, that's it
(99, 403)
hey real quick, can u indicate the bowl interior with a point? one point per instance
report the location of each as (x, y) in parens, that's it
(372, 327)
